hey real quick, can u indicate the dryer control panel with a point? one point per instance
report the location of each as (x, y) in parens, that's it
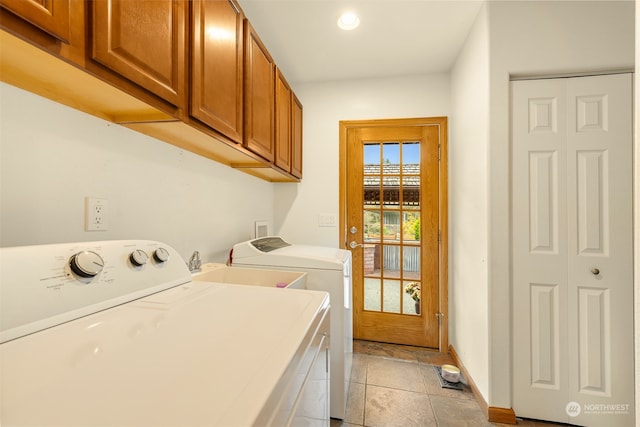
(268, 244)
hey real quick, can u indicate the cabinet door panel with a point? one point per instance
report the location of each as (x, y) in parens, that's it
(296, 137)
(144, 41)
(53, 16)
(217, 66)
(259, 96)
(283, 123)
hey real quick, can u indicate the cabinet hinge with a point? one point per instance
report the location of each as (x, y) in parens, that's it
(439, 316)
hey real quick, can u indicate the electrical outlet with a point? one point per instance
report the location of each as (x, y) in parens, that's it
(96, 214)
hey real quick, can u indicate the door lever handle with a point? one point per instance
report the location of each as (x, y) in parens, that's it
(353, 244)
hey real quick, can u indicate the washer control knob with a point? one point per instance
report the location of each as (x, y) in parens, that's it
(138, 257)
(161, 255)
(86, 264)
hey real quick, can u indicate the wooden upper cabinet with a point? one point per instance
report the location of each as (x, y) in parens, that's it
(193, 73)
(283, 123)
(288, 128)
(52, 16)
(217, 66)
(259, 104)
(145, 42)
(296, 137)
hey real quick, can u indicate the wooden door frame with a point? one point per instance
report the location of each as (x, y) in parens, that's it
(443, 214)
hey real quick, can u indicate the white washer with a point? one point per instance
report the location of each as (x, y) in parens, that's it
(117, 334)
(328, 269)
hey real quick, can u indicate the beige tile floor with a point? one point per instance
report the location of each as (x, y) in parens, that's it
(395, 385)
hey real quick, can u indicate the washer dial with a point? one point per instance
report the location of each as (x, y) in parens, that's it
(138, 257)
(161, 255)
(86, 264)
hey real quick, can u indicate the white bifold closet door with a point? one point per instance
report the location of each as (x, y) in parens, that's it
(572, 283)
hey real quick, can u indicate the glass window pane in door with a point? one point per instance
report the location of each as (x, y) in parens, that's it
(391, 261)
(391, 153)
(372, 153)
(371, 259)
(411, 262)
(411, 297)
(411, 157)
(411, 192)
(391, 225)
(391, 296)
(372, 294)
(411, 226)
(372, 226)
(390, 189)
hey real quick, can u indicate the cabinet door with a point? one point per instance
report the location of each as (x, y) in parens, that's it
(52, 16)
(259, 102)
(143, 41)
(296, 137)
(217, 66)
(283, 123)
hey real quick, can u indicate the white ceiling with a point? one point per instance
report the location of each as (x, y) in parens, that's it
(395, 37)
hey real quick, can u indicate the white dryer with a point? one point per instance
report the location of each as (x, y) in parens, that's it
(328, 269)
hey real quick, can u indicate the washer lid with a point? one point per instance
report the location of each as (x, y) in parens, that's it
(197, 354)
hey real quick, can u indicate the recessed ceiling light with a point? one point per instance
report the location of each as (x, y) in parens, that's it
(348, 21)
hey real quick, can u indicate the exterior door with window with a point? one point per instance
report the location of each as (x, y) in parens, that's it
(392, 225)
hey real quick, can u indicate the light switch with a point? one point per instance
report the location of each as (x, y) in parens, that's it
(327, 220)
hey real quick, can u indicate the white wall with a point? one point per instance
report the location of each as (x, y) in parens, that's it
(468, 204)
(297, 206)
(51, 157)
(508, 39)
(535, 38)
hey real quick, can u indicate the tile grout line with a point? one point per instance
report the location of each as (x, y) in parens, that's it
(366, 386)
